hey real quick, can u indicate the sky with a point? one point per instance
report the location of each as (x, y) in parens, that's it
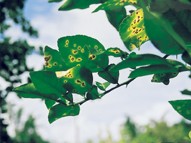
(141, 100)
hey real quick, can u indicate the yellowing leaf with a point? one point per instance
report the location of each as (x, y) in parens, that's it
(132, 30)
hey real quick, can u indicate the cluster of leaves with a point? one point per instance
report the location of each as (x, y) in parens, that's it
(69, 71)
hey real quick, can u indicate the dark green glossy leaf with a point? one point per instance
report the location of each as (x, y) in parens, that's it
(58, 111)
(186, 92)
(162, 34)
(132, 30)
(116, 52)
(47, 82)
(115, 4)
(102, 86)
(183, 107)
(140, 60)
(93, 93)
(76, 80)
(29, 91)
(49, 103)
(54, 0)
(110, 75)
(81, 4)
(115, 17)
(53, 60)
(83, 50)
(152, 69)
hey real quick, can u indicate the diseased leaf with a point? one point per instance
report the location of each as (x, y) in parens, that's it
(115, 4)
(164, 77)
(102, 86)
(133, 61)
(83, 50)
(53, 60)
(49, 103)
(76, 80)
(152, 69)
(183, 107)
(109, 75)
(132, 30)
(77, 4)
(186, 92)
(93, 93)
(116, 52)
(58, 111)
(29, 91)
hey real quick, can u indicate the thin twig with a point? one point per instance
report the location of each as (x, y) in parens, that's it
(107, 91)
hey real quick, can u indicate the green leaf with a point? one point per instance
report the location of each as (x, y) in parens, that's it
(83, 50)
(140, 60)
(152, 69)
(54, 0)
(162, 34)
(183, 107)
(132, 30)
(186, 92)
(76, 80)
(58, 111)
(75, 4)
(116, 52)
(115, 4)
(109, 75)
(164, 77)
(102, 86)
(93, 93)
(47, 83)
(53, 60)
(29, 91)
(115, 17)
(49, 103)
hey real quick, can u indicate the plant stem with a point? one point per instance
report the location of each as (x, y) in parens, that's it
(107, 91)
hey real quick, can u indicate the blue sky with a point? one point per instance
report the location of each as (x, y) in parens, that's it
(141, 100)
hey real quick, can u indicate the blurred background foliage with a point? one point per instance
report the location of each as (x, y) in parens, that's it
(13, 64)
(13, 55)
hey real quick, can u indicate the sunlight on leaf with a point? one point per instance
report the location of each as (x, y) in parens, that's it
(132, 30)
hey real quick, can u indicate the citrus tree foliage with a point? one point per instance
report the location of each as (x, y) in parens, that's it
(70, 70)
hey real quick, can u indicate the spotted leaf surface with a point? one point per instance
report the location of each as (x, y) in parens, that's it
(53, 60)
(83, 50)
(58, 111)
(132, 30)
(164, 77)
(183, 107)
(76, 80)
(116, 52)
(115, 4)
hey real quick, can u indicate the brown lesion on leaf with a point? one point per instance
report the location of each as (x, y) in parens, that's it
(92, 56)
